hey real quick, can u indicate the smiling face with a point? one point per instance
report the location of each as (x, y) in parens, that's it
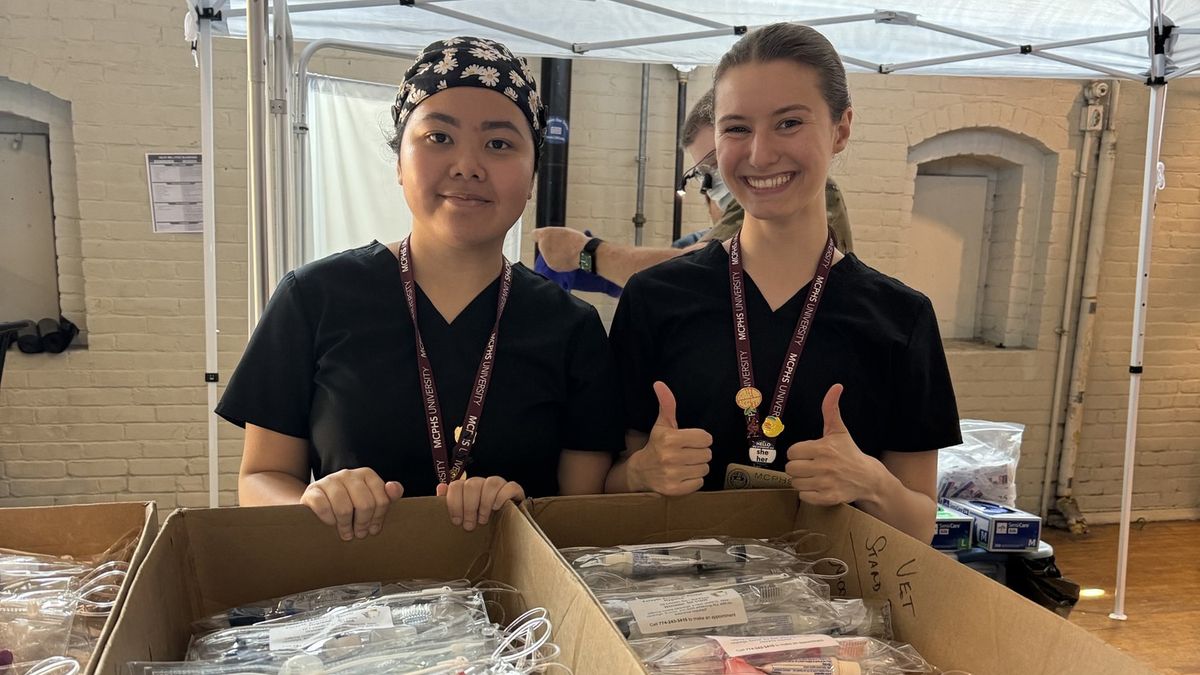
(466, 164)
(775, 143)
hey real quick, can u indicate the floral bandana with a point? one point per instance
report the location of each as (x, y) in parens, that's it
(471, 62)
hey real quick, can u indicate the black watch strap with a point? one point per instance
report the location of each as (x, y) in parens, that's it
(587, 257)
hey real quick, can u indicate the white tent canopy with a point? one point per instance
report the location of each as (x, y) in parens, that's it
(867, 34)
(1150, 41)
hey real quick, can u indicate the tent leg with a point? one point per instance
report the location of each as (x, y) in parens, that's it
(204, 49)
(1158, 99)
(257, 198)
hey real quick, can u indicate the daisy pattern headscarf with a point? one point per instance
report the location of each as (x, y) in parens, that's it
(471, 62)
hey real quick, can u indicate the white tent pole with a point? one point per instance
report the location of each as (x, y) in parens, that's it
(582, 47)
(208, 195)
(1184, 71)
(1020, 49)
(719, 30)
(331, 5)
(869, 65)
(1008, 48)
(1008, 51)
(672, 13)
(287, 252)
(494, 25)
(257, 271)
(1158, 100)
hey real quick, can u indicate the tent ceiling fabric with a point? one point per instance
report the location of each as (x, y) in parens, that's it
(570, 26)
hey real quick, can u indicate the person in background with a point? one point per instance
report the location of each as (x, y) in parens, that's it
(432, 365)
(561, 247)
(773, 359)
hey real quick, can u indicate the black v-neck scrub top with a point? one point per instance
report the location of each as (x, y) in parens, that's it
(333, 361)
(872, 334)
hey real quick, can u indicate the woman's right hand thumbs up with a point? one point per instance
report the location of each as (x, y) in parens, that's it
(674, 461)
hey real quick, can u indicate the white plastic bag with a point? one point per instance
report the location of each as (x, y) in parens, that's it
(984, 465)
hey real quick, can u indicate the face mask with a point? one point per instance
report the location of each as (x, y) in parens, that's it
(719, 193)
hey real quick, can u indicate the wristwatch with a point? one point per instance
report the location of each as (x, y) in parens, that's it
(587, 257)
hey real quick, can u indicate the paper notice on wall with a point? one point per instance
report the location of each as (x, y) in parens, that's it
(707, 609)
(300, 634)
(176, 192)
(810, 645)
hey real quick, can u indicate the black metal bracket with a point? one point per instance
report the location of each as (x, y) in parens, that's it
(1160, 39)
(207, 13)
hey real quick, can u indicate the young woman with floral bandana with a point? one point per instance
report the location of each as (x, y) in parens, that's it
(432, 365)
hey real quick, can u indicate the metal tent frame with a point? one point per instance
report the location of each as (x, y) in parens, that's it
(276, 169)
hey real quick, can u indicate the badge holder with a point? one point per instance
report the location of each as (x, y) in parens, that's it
(746, 477)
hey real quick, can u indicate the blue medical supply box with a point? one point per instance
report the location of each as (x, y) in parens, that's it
(999, 528)
(953, 532)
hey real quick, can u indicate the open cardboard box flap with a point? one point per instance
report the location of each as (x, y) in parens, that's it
(954, 616)
(83, 531)
(208, 560)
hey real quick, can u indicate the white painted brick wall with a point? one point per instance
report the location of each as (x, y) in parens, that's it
(126, 416)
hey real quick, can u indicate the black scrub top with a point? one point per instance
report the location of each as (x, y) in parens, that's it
(333, 360)
(871, 333)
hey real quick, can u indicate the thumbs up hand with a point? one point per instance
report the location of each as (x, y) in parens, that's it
(674, 461)
(832, 469)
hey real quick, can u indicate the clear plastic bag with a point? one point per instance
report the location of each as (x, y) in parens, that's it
(56, 606)
(309, 601)
(443, 646)
(379, 623)
(365, 659)
(19, 566)
(784, 654)
(36, 625)
(779, 604)
(984, 465)
(683, 564)
(55, 665)
(694, 556)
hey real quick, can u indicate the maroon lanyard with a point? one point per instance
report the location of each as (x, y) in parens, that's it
(749, 398)
(429, 397)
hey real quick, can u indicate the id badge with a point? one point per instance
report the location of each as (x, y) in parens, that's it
(743, 477)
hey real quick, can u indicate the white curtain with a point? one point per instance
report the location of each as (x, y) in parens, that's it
(353, 189)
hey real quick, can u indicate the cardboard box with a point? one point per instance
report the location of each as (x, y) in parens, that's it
(953, 531)
(1000, 528)
(83, 531)
(208, 560)
(955, 617)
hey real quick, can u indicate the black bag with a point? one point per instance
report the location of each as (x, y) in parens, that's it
(46, 335)
(1040, 580)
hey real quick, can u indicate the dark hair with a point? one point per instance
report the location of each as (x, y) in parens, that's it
(801, 45)
(700, 116)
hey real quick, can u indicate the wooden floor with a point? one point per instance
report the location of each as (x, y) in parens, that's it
(1162, 596)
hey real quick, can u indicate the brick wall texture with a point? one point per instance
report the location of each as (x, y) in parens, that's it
(125, 417)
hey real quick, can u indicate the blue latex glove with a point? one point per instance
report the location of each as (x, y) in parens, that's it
(577, 280)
